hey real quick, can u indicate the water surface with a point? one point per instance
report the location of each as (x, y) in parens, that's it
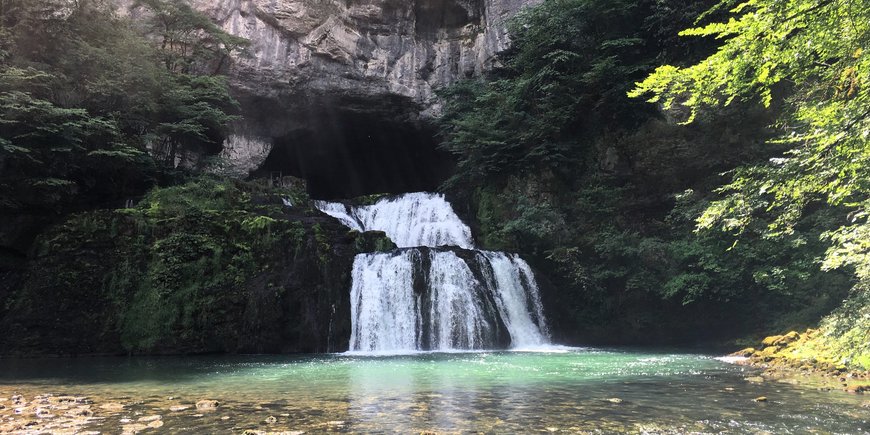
(577, 390)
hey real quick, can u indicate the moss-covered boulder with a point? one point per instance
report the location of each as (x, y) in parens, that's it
(208, 266)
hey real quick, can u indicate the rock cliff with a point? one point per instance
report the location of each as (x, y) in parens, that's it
(312, 61)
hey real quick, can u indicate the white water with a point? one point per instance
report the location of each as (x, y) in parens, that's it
(434, 299)
(410, 220)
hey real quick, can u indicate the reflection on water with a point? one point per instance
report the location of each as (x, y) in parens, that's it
(502, 392)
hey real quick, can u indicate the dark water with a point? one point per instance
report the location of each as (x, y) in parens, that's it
(573, 391)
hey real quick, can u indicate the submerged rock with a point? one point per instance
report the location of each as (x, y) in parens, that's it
(112, 407)
(858, 389)
(205, 405)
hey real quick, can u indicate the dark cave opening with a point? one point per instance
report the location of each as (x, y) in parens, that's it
(347, 153)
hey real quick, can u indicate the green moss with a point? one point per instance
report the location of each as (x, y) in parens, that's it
(171, 273)
(322, 244)
(373, 241)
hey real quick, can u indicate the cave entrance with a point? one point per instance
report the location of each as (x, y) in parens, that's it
(347, 153)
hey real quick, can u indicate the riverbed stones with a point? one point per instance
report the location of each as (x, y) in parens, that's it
(207, 405)
(760, 399)
(112, 407)
(133, 428)
(80, 411)
(858, 389)
(156, 424)
(179, 408)
(270, 420)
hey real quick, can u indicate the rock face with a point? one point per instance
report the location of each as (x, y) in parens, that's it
(98, 283)
(310, 59)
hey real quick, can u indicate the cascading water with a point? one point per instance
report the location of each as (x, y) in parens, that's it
(436, 292)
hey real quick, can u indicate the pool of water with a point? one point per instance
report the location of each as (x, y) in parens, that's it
(566, 390)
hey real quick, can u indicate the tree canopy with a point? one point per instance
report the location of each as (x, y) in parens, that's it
(812, 53)
(809, 57)
(92, 103)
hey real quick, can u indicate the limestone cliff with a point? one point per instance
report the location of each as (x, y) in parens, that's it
(310, 59)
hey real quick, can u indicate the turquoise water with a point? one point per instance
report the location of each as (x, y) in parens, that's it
(575, 391)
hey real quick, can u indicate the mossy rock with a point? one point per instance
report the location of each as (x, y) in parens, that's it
(770, 341)
(747, 352)
(373, 241)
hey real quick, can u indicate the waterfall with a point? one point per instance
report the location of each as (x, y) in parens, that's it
(410, 220)
(436, 292)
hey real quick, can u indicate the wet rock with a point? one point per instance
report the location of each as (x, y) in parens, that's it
(615, 400)
(134, 428)
(207, 404)
(744, 352)
(754, 379)
(760, 399)
(178, 408)
(112, 407)
(270, 420)
(149, 418)
(769, 341)
(787, 339)
(858, 389)
(82, 411)
(155, 424)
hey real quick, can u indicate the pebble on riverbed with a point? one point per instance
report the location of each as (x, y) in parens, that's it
(113, 407)
(207, 405)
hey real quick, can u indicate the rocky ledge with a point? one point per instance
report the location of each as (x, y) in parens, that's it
(312, 60)
(793, 358)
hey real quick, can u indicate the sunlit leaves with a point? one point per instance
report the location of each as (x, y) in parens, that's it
(812, 51)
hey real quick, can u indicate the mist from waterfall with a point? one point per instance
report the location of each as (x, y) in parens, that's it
(436, 292)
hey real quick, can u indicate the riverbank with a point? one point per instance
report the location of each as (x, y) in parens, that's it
(577, 391)
(804, 358)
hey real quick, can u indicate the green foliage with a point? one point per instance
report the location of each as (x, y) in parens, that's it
(562, 83)
(810, 55)
(603, 195)
(188, 40)
(87, 104)
(202, 243)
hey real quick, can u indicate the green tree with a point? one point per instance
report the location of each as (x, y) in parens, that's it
(189, 41)
(812, 52)
(808, 56)
(87, 97)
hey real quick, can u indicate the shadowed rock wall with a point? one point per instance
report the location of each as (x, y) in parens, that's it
(378, 58)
